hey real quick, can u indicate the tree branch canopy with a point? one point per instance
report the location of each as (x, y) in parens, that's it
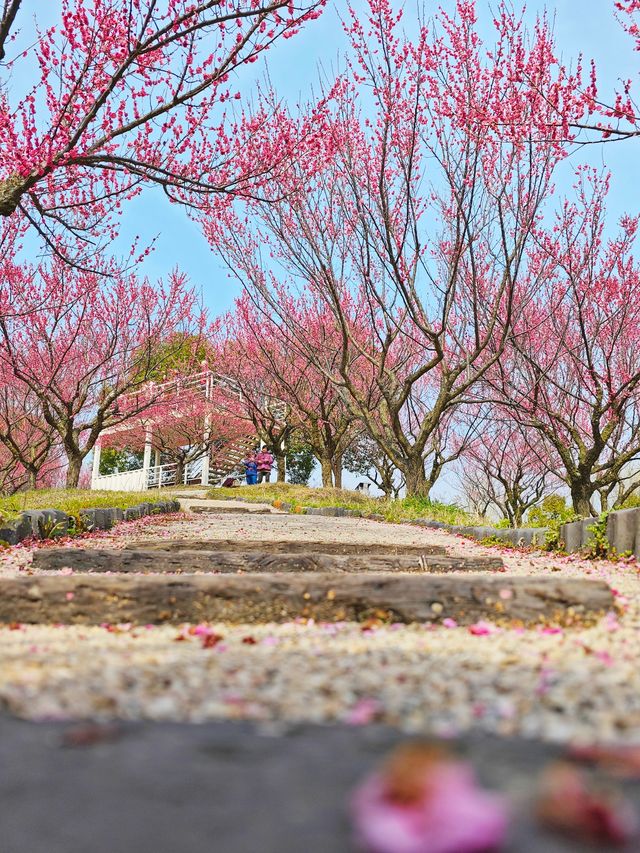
(130, 94)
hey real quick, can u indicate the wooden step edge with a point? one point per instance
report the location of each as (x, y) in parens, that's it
(157, 561)
(154, 599)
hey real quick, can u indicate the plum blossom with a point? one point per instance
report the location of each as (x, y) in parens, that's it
(424, 801)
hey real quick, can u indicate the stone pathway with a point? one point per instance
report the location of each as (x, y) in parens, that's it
(453, 669)
(565, 671)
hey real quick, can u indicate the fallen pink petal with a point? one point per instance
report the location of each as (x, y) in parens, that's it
(364, 712)
(483, 629)
(570, 803)
(422, 801)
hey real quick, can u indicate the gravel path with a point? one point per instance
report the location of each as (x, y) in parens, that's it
(577, 684)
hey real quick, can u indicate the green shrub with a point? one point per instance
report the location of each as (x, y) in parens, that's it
(497, 540)
(598, 544)
(553, 510)
(552, 513)
(300, 465)
(631, 502)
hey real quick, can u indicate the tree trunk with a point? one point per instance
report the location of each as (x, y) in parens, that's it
(281, 466)
(336, 467)
(416, 482)
(73, 470)
(386, 483)
(179, 472)
(327, 473)
(581, 492)
(605, 495)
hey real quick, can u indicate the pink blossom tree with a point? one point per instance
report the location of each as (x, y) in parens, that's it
(96, 342)
(572, 368)
(615, 116)
(129, 93)
(30, 447)
(505, 467)
(412, 224)
(274, 372)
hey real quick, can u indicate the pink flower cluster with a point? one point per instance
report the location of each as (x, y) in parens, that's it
(426, 802)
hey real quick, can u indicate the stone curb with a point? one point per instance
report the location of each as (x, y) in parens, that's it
(51, 523)
(520, 537)
(623, 532)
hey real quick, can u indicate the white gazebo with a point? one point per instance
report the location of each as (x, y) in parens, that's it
(153, 474)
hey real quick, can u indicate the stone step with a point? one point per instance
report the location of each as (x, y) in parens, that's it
(181, 561)
(170, 787)
(284, 547)
(142, 599)
(228, 510)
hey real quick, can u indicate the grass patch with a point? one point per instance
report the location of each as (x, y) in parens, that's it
(407, 509)
(72, 501)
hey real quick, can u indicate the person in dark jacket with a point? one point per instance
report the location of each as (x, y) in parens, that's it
(251, 469)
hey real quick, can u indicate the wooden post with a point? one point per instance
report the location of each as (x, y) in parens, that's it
(95, 470)
(207, 453)
(146, 463)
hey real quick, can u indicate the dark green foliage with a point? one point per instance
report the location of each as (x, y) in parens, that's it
(553, 510)
(181, 353)
(300, 464)
(114, 461)
(598, 544)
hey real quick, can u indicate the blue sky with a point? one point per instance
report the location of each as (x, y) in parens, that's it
(582, 26)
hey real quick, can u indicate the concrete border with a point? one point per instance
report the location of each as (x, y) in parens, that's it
(53, 523)
(623, 532)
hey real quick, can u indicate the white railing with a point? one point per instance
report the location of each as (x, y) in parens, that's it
(200, 470)
(154, 477)
(166, 475)
(162, 475)
(124, 481)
